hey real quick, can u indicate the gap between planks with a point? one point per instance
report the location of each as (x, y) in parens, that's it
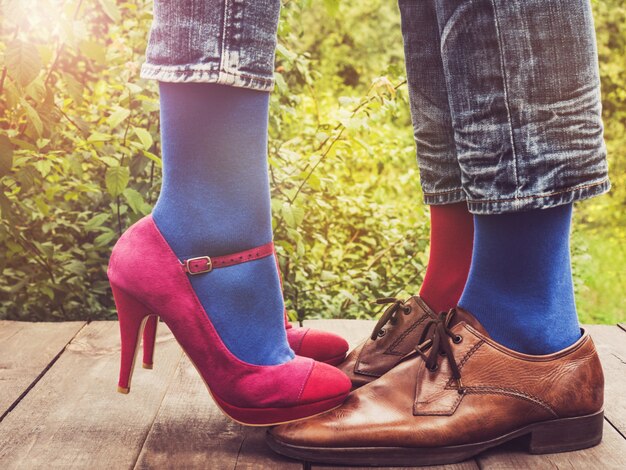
(180, 391)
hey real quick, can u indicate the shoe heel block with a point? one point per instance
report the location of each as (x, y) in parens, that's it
(567, 434)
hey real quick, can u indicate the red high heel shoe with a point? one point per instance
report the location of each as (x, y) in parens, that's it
(148, 281)
(322, 346)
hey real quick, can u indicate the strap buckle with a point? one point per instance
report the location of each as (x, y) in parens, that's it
(199, 265)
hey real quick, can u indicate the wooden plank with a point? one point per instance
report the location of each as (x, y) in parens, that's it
(26, 351)
(609, 455)
(191, 432)
(354, 331)
(74, 418)
(611, 344)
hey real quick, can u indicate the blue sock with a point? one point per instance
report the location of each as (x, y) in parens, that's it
(520, 282)
(215, 200)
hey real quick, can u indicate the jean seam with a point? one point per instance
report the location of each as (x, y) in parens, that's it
(537, 196)
(442, 192)
(189, 30)
(225, 53)
(506, 93)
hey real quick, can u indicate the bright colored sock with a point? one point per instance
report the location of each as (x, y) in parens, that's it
(451, 235)
(520, 283)
(215, 200)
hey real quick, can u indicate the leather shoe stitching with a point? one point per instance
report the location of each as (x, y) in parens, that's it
(478, 390)
(401, 338)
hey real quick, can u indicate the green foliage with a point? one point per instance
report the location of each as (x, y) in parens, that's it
(79, 146)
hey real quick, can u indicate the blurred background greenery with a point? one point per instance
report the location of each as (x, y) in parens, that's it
(79, 159)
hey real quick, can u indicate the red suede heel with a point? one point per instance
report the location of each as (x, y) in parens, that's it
(149, 281)
(149, 340)
(132, 317)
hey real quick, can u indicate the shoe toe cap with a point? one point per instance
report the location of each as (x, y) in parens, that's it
(323, 346)
(325, 382)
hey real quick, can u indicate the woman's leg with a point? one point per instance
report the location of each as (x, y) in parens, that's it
(204, 260)
(215, 197)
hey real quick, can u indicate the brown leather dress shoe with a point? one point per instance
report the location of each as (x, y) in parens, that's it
(394, 336)
(459, 394)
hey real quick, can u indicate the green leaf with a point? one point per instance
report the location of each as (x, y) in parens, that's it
(98, 137)
(111, 10)
(104, 238)
(93, 50)
(153, 157)
(144, 137)
(74, 88)
(22, 61)
(6, 155)
(332, 7)
(117, 117)
(116, 179)
(95, 222)
(134, 200)
(33, 116)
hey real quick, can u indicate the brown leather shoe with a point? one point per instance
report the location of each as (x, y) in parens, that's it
(458, 395)
(394, 336)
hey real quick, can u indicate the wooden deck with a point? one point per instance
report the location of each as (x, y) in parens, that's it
(59, 407)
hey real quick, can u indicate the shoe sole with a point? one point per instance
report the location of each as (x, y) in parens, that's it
(547, 437)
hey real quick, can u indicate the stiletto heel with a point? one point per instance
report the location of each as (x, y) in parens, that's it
(149, 282)
(149, 341)
(132, 317)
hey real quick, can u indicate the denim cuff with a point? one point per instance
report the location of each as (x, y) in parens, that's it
(445, 197)
(205, 74)
(539, 201)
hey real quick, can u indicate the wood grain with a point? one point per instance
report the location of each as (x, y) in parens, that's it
(26, 350)
(354, 331)
(74, 418)
(191, 432)
(609, 455)
(611, 345)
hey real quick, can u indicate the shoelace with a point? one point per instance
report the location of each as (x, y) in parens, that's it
(390, 314)
(436, 339)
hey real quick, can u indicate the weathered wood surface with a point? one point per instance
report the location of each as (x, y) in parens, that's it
(26, 351)
(74, 418)
(57, 392)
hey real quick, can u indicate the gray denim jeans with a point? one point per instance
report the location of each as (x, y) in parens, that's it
(505, 94)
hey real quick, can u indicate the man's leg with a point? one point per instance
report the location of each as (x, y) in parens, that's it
(451, 224)
(523, 86)
(440, 176)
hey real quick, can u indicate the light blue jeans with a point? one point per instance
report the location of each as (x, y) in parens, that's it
(505, 94)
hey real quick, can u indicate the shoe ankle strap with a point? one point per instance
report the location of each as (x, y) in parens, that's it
(205, 264)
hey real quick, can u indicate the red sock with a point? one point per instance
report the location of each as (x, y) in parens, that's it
(451, 238)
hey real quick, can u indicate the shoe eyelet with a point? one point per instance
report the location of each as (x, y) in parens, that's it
(461, 391)
(457, 339)
(442, 353)
(433, 368)
(382, 333)
(407, 310)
